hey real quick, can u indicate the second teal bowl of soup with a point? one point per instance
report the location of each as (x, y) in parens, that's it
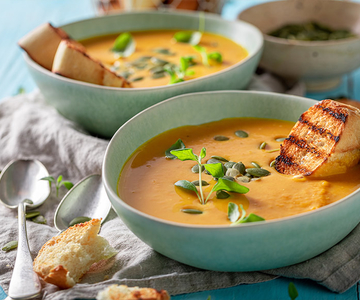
(102, 110)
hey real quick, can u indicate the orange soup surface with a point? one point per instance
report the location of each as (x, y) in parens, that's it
(147, 179)
(156, 48)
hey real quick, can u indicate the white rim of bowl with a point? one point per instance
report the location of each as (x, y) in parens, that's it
(41, 69)
(212, 227)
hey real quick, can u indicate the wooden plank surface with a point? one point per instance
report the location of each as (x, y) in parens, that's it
(17, 17)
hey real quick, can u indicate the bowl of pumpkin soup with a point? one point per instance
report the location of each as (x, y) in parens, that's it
(199, 184)
(157, 55)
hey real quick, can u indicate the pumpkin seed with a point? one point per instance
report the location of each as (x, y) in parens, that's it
(141, 59)
(10, 246)
(140, 66)
(157, 69)
(158, 75)
(280, 139)
(232, 172)
(272, 150)
(262, 146)
(203, 183)
(241, 134)
(137, 79)
(220, 138)
(78, 220)
(228, 178)
(240, 167)
(219, 158)
(192, 211)
(213, 161)
(222, 195)
(164, 51)
(244, 179)
(229, 164)
(258, 172)
(195, 169)
(158, 61)
(255, 178)
(32, 214)
(40, 219)
(256, 165)
(272, 164)
(247, 175)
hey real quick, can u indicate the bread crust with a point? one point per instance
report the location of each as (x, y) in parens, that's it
(73, 62)
(123, 292)
(325, 141)
(72, 249)
(42, 42)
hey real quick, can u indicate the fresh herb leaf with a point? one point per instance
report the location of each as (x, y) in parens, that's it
(252, 218)
(20, 90)
(10, 246)
(188, 37)
(124, 45)
(293, 293)
(179, 144)
(216, 170)
(230, 186)
(185, 154)
(215, 56)
(202, 153)
(39, 219)
(185, 184)
(67, 184)
(236, 217)
(233, 212)
(49, 178)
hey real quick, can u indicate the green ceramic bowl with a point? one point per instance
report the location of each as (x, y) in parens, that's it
(251, 246)
(102, 110)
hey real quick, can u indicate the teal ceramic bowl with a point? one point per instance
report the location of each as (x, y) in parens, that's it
(251, 246)
(102, 110)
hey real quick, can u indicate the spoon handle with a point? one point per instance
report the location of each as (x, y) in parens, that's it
(24, 282)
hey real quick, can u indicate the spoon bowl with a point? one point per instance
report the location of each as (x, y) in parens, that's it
(87, 198)
(21, 187)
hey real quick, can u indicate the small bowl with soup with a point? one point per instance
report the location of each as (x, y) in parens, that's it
(260, 219)
(225, 56)
(317, 41)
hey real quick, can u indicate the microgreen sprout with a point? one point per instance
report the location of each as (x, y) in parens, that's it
(238, 217)
(124, 45)
(178, 72)
(58, 183)
(206, 57)
(216, 170)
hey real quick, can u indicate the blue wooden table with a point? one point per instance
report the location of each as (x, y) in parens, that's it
(17, 17)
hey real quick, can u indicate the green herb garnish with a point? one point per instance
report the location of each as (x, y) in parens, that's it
(293, 293)
(216, 170)
(237, 217)
(58, 183)
(124, 45)
(213, 56)
(188, 37)
(10, 246)
(178, 73)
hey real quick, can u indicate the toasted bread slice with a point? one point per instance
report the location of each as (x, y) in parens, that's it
(72, 62)
(325, 141)
(65, 258)
(122, 292)
(42, 42)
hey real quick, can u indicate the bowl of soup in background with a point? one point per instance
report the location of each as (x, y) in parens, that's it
(247, 247)
(102, 110)
(321, 64)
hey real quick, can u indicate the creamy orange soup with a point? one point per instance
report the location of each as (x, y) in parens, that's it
(147, 45)
(147, 180)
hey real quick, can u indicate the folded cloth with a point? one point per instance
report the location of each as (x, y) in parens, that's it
(29, 128)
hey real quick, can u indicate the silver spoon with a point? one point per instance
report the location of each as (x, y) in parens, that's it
(87, 198)
(19, 183)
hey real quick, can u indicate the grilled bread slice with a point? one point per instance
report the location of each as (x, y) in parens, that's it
(325, 141)
(65, 258)
(42, 42)
(122, 292)
(72, 62)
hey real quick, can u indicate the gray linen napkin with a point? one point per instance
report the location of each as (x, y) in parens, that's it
(31, 129)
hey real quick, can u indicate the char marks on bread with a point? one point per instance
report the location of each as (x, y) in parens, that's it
(325, 141)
